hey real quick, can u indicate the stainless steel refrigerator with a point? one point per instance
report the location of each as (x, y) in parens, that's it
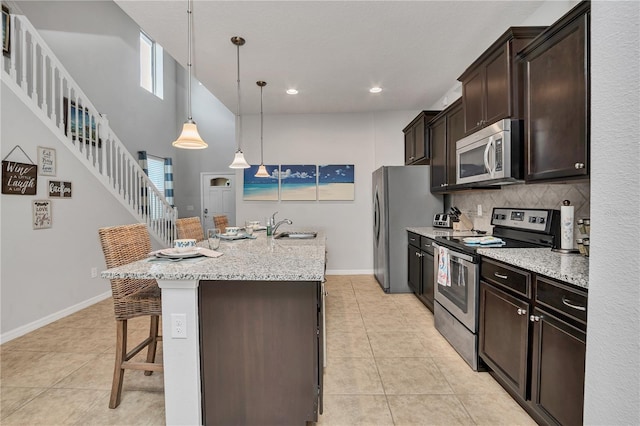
(401, 198)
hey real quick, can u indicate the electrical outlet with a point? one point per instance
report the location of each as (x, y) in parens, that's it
(94, 272)
(190, 208)
(179, 326)
(479, 210)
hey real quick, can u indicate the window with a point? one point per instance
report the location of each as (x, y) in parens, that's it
(155, 166)
(151, 65)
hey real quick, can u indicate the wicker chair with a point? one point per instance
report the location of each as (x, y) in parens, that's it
(131, 298)
(221, 222)
(190, 227)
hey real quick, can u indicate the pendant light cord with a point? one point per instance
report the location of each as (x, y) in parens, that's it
(189, 15)
(239, 115)
(261, 128)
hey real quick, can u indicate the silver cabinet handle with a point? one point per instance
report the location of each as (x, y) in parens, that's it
(568, 303)
(504, 277)
(536, 318)
(522, 311)
(579, 165)
(418, 254)
(412, 239)
(411, 158)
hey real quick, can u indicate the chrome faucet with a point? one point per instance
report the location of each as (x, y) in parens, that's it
(274, 225)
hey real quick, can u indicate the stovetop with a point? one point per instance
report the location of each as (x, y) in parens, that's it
(516, 228)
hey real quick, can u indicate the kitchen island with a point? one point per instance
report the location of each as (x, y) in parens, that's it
(250, 350)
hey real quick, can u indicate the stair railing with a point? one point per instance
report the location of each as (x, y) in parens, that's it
(34, 73)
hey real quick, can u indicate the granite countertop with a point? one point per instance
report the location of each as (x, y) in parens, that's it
(260, 259)
(569, 268)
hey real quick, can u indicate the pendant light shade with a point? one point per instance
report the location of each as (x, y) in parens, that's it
(189, 138)
(238, 160)
(262, 170)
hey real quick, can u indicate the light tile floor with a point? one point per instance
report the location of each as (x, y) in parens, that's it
(386, 365)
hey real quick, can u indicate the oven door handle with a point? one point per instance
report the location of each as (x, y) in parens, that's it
(454, 254)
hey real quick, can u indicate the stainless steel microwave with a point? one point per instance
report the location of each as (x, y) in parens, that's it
(491, 156)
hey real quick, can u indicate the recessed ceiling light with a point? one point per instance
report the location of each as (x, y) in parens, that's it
(375, 90)
(292, 92)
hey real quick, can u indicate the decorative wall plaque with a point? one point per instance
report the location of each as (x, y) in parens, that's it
(46, 161)
(59, 189)
(41, 214)
(19, 178)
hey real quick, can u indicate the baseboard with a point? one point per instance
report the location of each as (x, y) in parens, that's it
(349, 272)
(20, 331)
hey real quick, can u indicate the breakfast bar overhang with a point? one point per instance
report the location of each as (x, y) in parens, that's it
(251, 345)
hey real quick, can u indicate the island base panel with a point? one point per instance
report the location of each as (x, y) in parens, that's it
(259, 352)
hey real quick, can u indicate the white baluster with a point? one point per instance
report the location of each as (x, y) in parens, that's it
(13, 33)
(34, 71)
(24, 62)
(45, 86)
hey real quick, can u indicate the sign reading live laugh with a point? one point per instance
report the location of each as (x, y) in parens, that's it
(19, 178)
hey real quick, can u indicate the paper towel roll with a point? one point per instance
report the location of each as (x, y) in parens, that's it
(566, 227)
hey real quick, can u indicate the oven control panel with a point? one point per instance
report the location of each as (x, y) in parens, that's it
(528, 219)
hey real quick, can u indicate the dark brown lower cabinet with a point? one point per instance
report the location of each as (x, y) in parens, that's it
(261, 352)
(504, 327)
(532, 336)
(557, 374)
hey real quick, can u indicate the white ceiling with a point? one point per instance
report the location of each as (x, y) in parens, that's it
(331, 51)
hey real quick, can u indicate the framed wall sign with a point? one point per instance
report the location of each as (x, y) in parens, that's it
(79, 122)
(46, 161)
(59, 189)
(19, 178)
(41, 214)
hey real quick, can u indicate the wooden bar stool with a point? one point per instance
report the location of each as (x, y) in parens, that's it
(190, 227)
(131, 298)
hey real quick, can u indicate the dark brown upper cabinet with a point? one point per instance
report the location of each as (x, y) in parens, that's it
(444, 130)
(416, 139)
(492, 85)
(557, 99)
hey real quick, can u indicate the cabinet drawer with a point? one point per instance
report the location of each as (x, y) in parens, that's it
(506, 276)
(414, 239)
(425, 244)
(562, 298)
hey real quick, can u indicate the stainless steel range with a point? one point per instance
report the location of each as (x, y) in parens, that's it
(457, 261)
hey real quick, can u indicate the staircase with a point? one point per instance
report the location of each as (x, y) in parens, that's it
(36, 76)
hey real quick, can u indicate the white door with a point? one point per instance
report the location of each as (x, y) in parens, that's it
(218, 197)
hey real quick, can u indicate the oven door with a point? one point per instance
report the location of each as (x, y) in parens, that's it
(460, 299)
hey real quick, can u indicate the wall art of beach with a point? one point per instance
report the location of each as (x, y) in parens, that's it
(261, 188)
(336, 182)
(298, 182)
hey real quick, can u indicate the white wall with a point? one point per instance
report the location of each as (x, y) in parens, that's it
(46, 273)
(612, 384)
(366, 140)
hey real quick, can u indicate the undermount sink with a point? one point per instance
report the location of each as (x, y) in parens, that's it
(296, 234)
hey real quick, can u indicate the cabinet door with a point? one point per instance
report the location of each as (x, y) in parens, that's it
(496, 83)
(455, 132)
(437, 134)
(557, 105)
(558, 360)
(415, 271)
(473, 101)
(409, 138)
(503, 345)
(427, 280)
(420, 149)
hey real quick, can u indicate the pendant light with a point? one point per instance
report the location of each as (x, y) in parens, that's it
(189, 138)
(262, 170)
(238, 160)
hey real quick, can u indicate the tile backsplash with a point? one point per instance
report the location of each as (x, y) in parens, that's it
(547, 196)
